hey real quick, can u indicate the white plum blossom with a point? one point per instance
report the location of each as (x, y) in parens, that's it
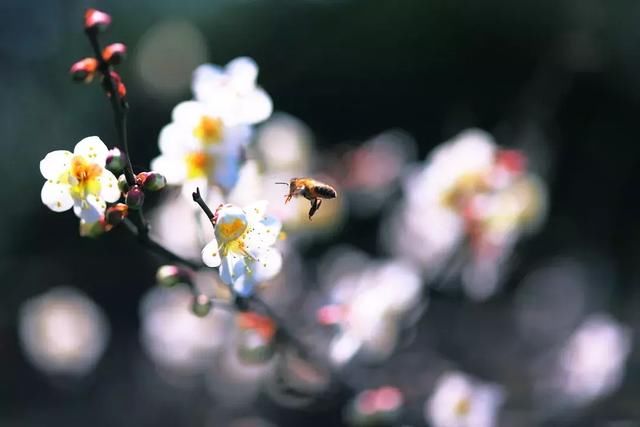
(460, 401)
(199, 149)
(79, 180)
(592, 362)
(63, 332)
(243, 247)
(232, 90)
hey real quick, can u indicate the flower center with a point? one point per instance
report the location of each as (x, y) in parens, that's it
(464, 186)
(84, 177)
(198, 164)
(209, 130)
(462, 407)
(231, 230)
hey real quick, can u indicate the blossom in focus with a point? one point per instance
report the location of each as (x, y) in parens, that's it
(232, 91)
(200, 149)
(592, 362)
(63, 332)
(79, 180)
(243, 246)
(460, 401)
(367, 305)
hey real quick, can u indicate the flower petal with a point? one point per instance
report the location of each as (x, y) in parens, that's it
(56, 197)
(93, 149)
(255, 107)
(109, 190)
(231, 267)
(188, 113)
(177, 139)
(206, 81)
(210, 254)
(255, 211)
(55, 163)
(90, 209)
(266, 265)
(243, 72)
(173, 168)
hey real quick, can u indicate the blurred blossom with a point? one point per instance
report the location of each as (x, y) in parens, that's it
(369, 172)
(285, 145)
(461, 401)
(63, 332)
(366, 306)
(79, 180)
(381, 406)
(232, 91)
(591, 364)
(230, 380)
(166, 56)
(472, 193)
(199, 149)
(180, 226)
(176, 339)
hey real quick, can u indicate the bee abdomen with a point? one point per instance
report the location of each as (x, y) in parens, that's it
(325, 191)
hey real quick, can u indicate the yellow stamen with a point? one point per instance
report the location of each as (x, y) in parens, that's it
(84, 177)
(463, 407)
(198, 164)
(209, 130)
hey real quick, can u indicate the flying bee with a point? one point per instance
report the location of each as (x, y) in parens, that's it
(310, 189)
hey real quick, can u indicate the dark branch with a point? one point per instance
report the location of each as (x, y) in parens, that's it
(198, 199)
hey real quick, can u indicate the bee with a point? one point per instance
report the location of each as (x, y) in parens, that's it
(310, 189)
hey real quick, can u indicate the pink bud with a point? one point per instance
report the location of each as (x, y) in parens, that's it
(95, 19)
(84, 70)
(114, 53)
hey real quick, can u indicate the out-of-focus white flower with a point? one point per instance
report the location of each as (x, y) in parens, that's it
(174, 337)
(63, 332)
(243, 246)
(460, 401)
(199, 149)
(367, 306)
(473, 192)
(79, 180)
(232, 91)
(592, 362)
(285, 145)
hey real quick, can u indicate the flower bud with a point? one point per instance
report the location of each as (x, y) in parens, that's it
(153, 181)
(116, 160)
(92, 229)
(96, 20)
(115, 53)
(252, 348)
(380, 406)
(123, 185)
(201, 305)
(170, 275)
(135, 197)
(118, 86)
(115, 215)
(84, 70)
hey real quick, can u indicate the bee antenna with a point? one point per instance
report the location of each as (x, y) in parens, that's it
(283, 183)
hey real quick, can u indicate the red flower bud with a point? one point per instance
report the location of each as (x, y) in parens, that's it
(96, 20)
(115, 214)
(117, 84)
(84, 70)
(116, 160)
(152, 181)
(135, 197)
(114, 53)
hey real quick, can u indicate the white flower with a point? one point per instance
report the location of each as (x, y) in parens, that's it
(199, 149)
(232, 91)
(79, 180)
(368, 305)
(592, 362)
(243, 247)
(459, 401)
(63, 331)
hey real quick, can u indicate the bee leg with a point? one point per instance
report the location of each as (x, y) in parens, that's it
(287, 198)
(315, 205)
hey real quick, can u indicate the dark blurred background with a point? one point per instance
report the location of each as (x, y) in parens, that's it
(558, 77)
